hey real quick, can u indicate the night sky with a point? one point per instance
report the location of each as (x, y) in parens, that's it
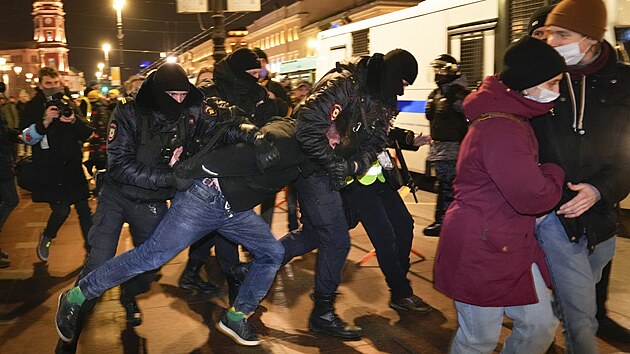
(148, 25)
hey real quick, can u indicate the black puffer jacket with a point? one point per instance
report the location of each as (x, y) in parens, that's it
(340, 102)
(57, 158)
(598, 153)
(135, 162)
(444, 112)
(252, 98)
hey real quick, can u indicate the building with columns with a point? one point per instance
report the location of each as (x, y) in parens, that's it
(288, 35)
(19, 66)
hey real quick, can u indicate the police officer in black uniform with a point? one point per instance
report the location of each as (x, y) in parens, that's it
(448, 127)
(143, 134)
(342, 127)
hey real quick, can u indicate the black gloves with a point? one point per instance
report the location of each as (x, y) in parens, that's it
(364, 161)
(266, 153)
(338, 169)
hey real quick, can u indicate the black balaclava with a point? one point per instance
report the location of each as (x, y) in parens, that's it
(399, 65)
(169, 77)
(241, 60)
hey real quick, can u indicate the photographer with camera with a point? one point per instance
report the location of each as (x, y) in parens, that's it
(448, 127)
(52, 125)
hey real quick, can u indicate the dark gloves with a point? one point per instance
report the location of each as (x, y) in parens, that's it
(266, 153)
(338, 169)
(364, 161)
(247, 133)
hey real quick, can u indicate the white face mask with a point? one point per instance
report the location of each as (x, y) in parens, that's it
(571, 52)
(545, 95)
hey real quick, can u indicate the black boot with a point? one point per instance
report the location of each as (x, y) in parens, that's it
(325, 320)
(239, 271)
(433, 229)
(234, 286)
(132, 311)
(191, 280)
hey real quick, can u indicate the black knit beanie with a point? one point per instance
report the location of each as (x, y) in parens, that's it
(169, 77)
(530, 62)
(241, 60)
(538, 18)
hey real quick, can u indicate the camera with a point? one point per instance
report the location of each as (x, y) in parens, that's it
(404, 138)
(62, 103)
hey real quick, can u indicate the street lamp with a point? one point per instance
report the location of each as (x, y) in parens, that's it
(18, 70)
(106, 49)
(100, 67)
(118, 6)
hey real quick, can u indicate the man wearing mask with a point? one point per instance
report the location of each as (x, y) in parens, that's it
(52, 126)
(143, 134)
(448, 127)
(235, 81)
(578, 236)
(276, 90)
(342, 127)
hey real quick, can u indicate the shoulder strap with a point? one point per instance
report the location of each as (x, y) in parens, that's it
(490, 115)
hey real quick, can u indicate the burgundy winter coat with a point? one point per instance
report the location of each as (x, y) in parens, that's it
(487, 243)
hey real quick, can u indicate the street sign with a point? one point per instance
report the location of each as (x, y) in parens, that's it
(192, 6)
(115, 73)
(243, 5)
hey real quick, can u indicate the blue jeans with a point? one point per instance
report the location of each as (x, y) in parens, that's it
(574, 273)
(193, 214)
(533, 331)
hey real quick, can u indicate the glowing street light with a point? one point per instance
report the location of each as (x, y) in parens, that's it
(100, 66)
(18, 70)
(171, 59)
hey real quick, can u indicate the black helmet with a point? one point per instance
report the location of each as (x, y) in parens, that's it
(445, 61)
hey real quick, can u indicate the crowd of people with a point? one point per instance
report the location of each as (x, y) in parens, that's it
(533, 242)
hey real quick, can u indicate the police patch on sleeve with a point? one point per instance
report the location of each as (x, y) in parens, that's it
(336, 110)
(111, 133)
(211, 111)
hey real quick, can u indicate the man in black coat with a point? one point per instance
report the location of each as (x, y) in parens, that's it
(341, 127)
(57, 139)
(448, 127)
(587, 135)
(143, 135)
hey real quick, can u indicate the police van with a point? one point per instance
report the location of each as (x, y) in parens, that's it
(476, 32)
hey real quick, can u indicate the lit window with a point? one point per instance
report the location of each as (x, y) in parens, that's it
(49, 36)
(295, 33)
(282, 41)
